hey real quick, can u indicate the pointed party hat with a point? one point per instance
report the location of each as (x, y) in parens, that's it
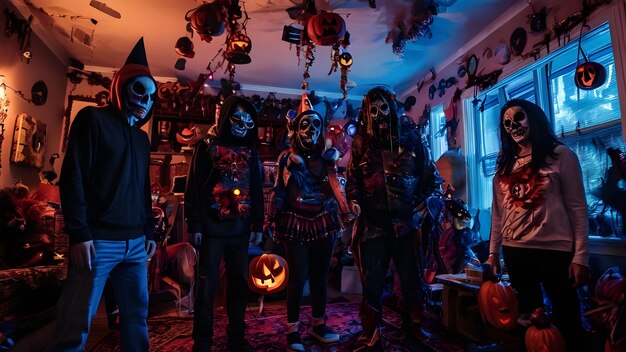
(138, 54)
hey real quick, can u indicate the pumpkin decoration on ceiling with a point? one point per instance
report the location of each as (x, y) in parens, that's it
(498, 304)
(208, 20)
(326, 28)
(239, 46)
(542, 336)
(268, 273)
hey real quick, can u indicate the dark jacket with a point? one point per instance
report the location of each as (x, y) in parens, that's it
(224, 193)
(105, 179)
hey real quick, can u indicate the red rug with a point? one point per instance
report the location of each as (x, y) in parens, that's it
(266, 332)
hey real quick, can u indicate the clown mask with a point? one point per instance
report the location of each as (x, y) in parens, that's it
(309, 130)
(515, 123)
(138, 98)
(240, 122)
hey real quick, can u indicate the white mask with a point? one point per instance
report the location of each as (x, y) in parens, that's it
(138, 98)
(309, 129)
(515, 123)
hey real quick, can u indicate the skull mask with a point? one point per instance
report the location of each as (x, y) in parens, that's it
(515, 123)
(379, 112)
(308, 130)
(240, 122)
(139, 97)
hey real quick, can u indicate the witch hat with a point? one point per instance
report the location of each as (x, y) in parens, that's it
(138, 54)
(305, 104)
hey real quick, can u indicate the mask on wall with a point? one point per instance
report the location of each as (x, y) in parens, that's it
(516, 124)
(240, 122)
(139, 97)
(308, 130)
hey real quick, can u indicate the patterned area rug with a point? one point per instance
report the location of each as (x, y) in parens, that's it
(266, 332)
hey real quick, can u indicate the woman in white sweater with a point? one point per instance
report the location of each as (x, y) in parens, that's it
(539, 217)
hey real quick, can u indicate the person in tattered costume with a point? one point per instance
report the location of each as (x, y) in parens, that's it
(389, 176)
(539, 218)
(309, 204)
(107, 208)
(224, 211)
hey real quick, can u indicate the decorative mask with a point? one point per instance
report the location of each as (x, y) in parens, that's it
(516, 123)
(379, 112)
(240, 122)
(308, 130)
(139, 97)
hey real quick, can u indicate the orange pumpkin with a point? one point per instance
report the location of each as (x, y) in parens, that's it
(589, 75)
(267, 273)
(543, 336)
(498, 304)
(611, 285)
(326, 28)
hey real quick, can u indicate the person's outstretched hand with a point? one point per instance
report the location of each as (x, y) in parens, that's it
(150, 248)
(578, 274)
(81, 255)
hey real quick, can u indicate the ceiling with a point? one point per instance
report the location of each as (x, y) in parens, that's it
(274, 65)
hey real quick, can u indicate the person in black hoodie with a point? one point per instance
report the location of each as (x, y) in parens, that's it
(105, 198)
(224, 211)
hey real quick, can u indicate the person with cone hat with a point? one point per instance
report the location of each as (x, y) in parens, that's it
(308, 208)
(107, 209)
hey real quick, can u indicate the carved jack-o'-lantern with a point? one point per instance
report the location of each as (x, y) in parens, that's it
(239, 46)
(498, 304)
(543, 336)
(589, 75)
(345, 60)
(326, 28)
(268, 273)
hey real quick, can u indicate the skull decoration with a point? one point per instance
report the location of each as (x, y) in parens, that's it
(139, 97)
(515, 123)
(308, 130)
(240, 122)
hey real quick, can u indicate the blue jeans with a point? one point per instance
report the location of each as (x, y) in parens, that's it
(126, 263)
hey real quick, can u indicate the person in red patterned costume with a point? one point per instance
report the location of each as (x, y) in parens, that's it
(308, 204)
(224, 211)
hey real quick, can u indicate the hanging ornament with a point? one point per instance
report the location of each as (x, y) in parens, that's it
(239, 46)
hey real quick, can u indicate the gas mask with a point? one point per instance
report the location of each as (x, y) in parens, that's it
(138, 98)
(240, 122)
(309, 129)
(515, 123)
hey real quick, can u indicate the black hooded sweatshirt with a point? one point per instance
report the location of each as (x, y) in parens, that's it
(105, 179)
(224, 193)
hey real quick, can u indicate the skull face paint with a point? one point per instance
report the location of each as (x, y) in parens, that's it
(309, 130)
(515, 123)
(138, 98)
(240, 122)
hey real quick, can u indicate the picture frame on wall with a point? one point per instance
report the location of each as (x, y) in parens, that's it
(29, 142)
(75, 103)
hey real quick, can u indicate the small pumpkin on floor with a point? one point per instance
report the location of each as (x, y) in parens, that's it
(542, 336)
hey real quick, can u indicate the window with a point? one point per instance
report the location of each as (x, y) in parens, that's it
(438, 143)
(587, 121)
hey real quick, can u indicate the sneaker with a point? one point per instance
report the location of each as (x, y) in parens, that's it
(294, 344)
(324, 334)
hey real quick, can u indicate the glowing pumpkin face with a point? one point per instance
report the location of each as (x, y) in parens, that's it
(590, 75)
(326, 28)
(498, 304)
(268, 273)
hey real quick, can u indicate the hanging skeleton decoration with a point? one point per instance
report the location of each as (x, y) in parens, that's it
(240, 122)
(139, 97)
(516, 123)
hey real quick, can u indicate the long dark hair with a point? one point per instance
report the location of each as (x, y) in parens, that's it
(541, 137)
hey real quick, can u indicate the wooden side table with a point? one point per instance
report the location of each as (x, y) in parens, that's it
(460, 307)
